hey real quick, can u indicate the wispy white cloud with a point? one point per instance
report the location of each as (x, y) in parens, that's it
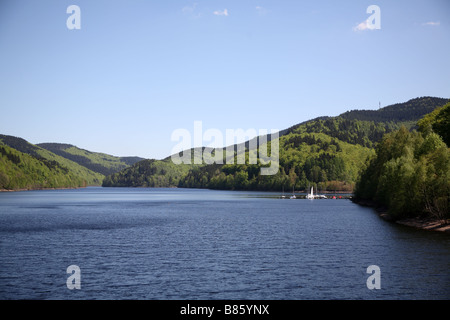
(261, 10)
(361, 26)
(432, 23)
(191, 10)
(223, 12)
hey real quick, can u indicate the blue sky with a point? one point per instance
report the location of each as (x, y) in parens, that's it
(138, 70)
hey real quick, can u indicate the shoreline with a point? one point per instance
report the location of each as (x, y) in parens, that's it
(426, 224)
(429, 224)
(40, 189)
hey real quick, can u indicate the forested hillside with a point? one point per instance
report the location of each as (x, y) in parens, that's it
(411, 110)
(51, 165)
(437, 121)
(149, 173)
(305, 159)
(327, 152)
(87, 176)
(104, 164)
(22, 171)
(410, 173)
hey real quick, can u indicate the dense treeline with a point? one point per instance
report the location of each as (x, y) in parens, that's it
(22, 171)
(18, 171)
(21, 145)
(148, 173)
(411, 110)
(305, 159)
(22, 165)
(438, 121)
(410, 173)
(365, 133)
(327, 152)
(97, 162)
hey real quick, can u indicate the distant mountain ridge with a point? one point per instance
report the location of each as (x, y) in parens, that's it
(21, 171)
(411, 110)
(27, 166)
(98, 162)
(404, 112)
(326, 152)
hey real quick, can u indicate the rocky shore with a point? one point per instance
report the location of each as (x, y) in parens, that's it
(426, 224)
(417, 222)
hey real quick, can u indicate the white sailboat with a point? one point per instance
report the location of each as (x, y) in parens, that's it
(310, 195)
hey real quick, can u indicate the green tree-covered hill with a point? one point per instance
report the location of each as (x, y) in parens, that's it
(410, 171)
(409, 111)
(149, 173)
(102, 163)
(43, 156)
(305, 159)
(80, 167)
(326, 152)
(19, 170)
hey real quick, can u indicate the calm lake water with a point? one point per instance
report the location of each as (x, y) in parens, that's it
(203, 244)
